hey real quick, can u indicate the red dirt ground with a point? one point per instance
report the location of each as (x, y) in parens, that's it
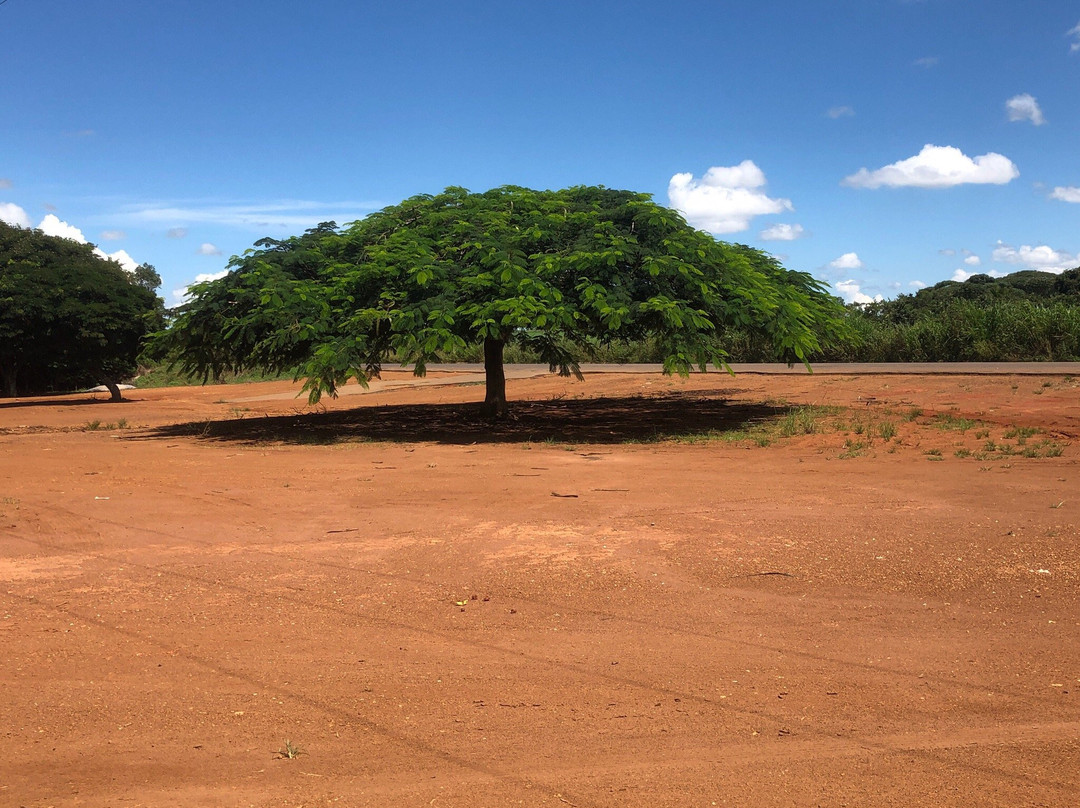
(616, 598)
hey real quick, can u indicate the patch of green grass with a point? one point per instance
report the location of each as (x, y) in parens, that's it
(932, 453)
(887, 430)
(962, 453)
(948, 422)
(164, 376)
(92, 426)
(799, 421)
(1021, 432)
(913, 413)
(853, 448)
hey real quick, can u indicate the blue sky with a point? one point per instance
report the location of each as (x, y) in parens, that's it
(878, 144)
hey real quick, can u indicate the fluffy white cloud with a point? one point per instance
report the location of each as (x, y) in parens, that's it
(52, 225)
(725, 199)
(180, 295)
(13, 214)
(1041, 257)
(112, 235)
(121, 257)
(1024, 107)
(847, 261)
(852, 292)
(1074, 32)
(916, 284)
(938, 167)
(783, 232)
(973, 260)
(961, 275)
(206, 248)
(1067, 193)
(840, 112)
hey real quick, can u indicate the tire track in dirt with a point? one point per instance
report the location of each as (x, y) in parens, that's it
(576, 670)
(349, 718)
(784, 749)
(421, 584)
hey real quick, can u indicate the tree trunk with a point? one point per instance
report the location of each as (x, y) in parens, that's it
(114, 391)
(7, 377)
(495, 398)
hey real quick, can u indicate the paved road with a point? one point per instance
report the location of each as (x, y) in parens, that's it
(846, 368)
(474, 373)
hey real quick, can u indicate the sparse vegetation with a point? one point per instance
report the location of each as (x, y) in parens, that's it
(957, 423)
(290, 751)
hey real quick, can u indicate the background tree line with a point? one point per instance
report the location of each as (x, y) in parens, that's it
(68, 317)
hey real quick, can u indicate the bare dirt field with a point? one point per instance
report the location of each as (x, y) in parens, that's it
(754, 591)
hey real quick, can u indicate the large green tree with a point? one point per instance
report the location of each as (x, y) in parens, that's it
(68, 317)
(553, 270)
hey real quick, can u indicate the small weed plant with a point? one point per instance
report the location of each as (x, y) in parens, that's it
(290, 751)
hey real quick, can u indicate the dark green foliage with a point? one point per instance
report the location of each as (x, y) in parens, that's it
(68, 318)
(559, 273)
(1025, 316)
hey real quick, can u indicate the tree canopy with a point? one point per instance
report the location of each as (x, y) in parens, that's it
(1029, 285)
(552, 270)
(68, 317)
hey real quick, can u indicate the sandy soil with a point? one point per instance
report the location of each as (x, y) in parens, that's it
(619, 597)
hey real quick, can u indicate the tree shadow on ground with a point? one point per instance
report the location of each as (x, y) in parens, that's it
(593, 420)
(42, 401)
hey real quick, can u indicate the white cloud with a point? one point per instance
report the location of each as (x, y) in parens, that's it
(973, 260)
(288, 215)
(1041, 257)
(847, 261)
(725, 199)
(938, 167)
(1024, 107)
(52, 225)
(916, 284)
(5, 183)
(840, 112)
(927, 62)
(783, 232)
(852, 292)
(181, 295)
(1074, 32)
(113, 235)
(120, 256)
(13, 214)
(1066, 194)
(961, 275)
(206, 248)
